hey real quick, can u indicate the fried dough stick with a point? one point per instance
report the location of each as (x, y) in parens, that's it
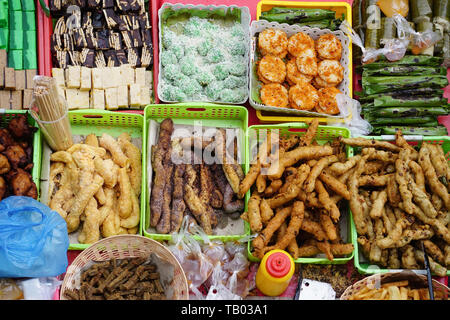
(421, 198)
(378, 205)
(440, 164)
(434, 251)
(408, 258)
(430, 174)
(374, 181)
(328, 225)
(392, 192)
(311, 249)
(207, 192)
(314, 228)
(334, 184)
(316, 170)
(163, 226)
(418, 175)
(293, 189)
(266, 211)
(292, 157)
(434, 266)
(293, 228)
(134, 155)
(440, 228)
(396, 233)
(356, 200)
(263, 238)
(158, 163)
(73, 176)
(401, 142)
(178, 204)
(327, 203)
(362, 142)
(233, 171)
(194, 203)
(254, 214)
(339, 168)
(381, 155)
(310, 133)
(401, 166)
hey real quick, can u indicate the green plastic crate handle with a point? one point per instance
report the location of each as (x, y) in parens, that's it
(196, 109)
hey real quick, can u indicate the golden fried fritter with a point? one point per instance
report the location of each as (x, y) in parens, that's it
(299, 42)
(274, 95)
(328, 46)
(271, 69)
(303, 96)
(273, 42)
(327, 100)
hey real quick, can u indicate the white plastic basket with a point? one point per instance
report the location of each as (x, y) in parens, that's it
(245, 21)
(345, 86)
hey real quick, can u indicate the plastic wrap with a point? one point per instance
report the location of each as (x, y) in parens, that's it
(357, 125)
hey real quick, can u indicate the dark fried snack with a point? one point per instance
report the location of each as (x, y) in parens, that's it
(178, 204)
(22, 183)
(20, 129)
(4, 164)
(159, 167)
(16, 156)
(119, 279)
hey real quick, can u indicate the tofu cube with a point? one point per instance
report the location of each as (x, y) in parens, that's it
(97, 78)
(111, 99)
(135, 96)
(73, 77)
(98, 99)
(86, 82)
(122, 96)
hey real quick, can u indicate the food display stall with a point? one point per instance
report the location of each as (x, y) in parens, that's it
(220, 150)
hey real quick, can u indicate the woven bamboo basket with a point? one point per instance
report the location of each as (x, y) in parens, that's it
(382, 278)
(120, 247)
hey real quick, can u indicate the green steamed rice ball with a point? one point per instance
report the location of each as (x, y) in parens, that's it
(221, 71)
(213, 90)
(188, 66)
(171, 93)
(169, 38)
(234, 82)
(168, 57)
(178, 50)
(215, 55)
(238, 67)
(189, 86)
(233, 96)
(205, 77)
(237, 48)
(171, 71)
(204, 47)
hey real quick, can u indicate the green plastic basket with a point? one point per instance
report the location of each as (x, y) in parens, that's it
(323, 135)
(8, 115)
(84, 122)
(205, 114)
(444, 141)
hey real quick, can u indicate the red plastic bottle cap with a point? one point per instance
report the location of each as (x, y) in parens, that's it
(278, 264)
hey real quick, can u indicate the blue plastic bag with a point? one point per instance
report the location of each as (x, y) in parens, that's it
(33, 239)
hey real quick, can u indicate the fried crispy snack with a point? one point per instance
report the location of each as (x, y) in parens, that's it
(381, 155)
(393, 260)
(328, 225)
(401, 142)
(396, 233)
(158, 164)
(261, 183)
(334, 184)
(109, 143)
(325, 200)
(362, 142)
(314, 228)
(93, 151)
(133, 220)
(392, 191)
(266, 211)
(340, 168)
(163, 225)
(434, 266)
(356, 200)
(310, 250)
(377, 207)
(249, 179)
(91, 232)
(317, 170)
(111, 221)
(134, 155)
(60, 198)
(408, 258)
(293, 189)
(125, 205)
(439, 162)
(418, 175)
(273, 188)
(254, 213)
(291, 157)
(66, 157)
(91, 140)
(81, 200)
(421, 198)
(434, 251)
(266, 234)
(5, 166)
(374, 181)
(297, 215)
(440, 228)
(401, 166)
(309, 135)
(178, 204)
(108, 170)
(431, 176)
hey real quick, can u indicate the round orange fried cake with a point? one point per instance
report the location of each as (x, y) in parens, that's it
(327, 100)
(293, 75)
(328, 46)
(274, 95)
(318, 83)
(273, 42)
(303, 96)
(299, 42)
(331, 71)
(271, 69)
(307, 65)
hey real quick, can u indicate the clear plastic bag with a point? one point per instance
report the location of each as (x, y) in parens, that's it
(420, 41)
(393, 50)
(348, 106)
